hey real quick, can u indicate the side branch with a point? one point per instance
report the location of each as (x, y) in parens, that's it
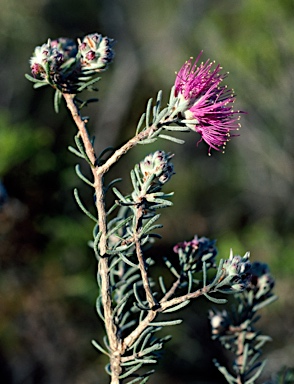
(132, 337)
(81, 125)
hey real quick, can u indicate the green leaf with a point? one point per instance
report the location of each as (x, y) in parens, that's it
(170, 138)
(166, 323)
(177, 307)
(148, 112)
(40, 84)
(33, 79)
(82, 177)
(98, 346)
(214, 300)
(88, 84)
(80, 204)
(75, 152)
(142, 118)
(57, 99)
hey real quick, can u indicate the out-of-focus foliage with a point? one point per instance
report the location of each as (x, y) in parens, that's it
(243, 198)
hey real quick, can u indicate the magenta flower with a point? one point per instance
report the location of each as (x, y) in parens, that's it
(210, 105)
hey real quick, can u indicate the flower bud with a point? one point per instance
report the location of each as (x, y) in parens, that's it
(219, 321)
(96, 52)
(236, 273)
(159, 165)
(192, 252)
(261, 280)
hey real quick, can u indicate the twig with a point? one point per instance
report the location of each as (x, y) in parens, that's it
(132, 337)
(171, 291)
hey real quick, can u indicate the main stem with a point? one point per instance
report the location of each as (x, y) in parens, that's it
(103, 267)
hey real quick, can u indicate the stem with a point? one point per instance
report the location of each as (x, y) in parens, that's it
(171, 291)
(81, 125)
(240, 356)
(103, 267)
(132, 337)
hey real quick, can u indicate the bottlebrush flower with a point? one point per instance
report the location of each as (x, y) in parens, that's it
(209, 104)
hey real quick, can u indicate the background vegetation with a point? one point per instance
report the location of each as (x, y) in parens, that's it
(243, 198)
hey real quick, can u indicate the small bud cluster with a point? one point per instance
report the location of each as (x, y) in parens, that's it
(261, 282)
(193, 253)
(96, 52)
(219, 321)
(157, 166)
(66, 65)
(235, 328)
(236, 273)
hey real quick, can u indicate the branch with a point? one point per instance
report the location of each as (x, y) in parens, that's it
(132, 337)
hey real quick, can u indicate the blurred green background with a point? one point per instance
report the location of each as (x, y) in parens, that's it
(243, 198)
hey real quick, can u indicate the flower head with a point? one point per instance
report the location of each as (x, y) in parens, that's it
(261, 281)
(157, 164)
(71, 66)
(206, 103)
(236, 273)
(96, 52)
(193, 253)
(220, 322)
(52, 56)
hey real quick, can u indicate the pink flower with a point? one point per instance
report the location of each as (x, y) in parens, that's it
(210, 105)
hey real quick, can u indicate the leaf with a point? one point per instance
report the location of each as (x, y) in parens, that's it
(257, 374)
(82, 177)
(88, 84)
(214, 300)
(33, 79)
(177, 307)
(130, 371)
(147, 141)
(159, 117)
(170, 138)
(148, 112)
(162, 285)
(74, 151)
(142, 118)
(121, 223)
(127, 261)
(176, 128)
(81, 148)
(166, 323)
(40, 84)
(80, 204)
(98, 346)
(264, 303)
(57, 99)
